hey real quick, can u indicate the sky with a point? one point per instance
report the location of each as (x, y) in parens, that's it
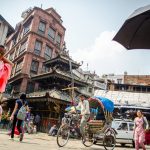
(90, 27)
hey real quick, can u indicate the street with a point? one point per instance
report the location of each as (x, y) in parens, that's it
(43, 141)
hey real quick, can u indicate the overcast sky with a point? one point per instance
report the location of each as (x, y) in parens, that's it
(90, 26)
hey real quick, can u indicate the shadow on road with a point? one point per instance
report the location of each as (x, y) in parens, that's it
(126, 146)
(30, 143)
(92, 148)
(89, 148)
(42, 139)
(25, 142)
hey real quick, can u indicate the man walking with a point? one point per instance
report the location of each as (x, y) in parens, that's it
(37, 120)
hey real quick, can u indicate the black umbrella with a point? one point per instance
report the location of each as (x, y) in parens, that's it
(135, 32)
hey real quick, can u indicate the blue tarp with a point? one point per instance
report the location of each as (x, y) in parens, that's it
(108, 104)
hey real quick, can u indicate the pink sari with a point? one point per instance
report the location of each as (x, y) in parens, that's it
(139, 133)
(5, 71)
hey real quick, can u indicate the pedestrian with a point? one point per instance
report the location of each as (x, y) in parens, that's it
(53, 130)
(140, 124)
(5, 70)
(37, 120)
(27, 122)
(31, 118)
(85, 114)
(18, 105)
(5, 120)
(48, 127)
(1, 111)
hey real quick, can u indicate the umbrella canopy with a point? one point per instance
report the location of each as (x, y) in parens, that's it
(135, 32)
(107, 103)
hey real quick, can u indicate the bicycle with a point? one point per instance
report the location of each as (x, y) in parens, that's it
(68, 126)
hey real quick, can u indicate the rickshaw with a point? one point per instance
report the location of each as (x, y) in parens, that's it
(98, 126)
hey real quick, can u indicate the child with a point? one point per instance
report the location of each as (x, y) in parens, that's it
(5, 70)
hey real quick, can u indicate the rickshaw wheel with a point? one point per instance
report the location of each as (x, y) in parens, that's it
(63, 135)
(88, 140)
(109, 140)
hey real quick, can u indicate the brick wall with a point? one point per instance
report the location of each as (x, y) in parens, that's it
(137, 79)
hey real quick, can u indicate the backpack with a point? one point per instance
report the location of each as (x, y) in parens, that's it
(21, 113)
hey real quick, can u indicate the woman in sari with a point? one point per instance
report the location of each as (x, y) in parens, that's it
(140, 123)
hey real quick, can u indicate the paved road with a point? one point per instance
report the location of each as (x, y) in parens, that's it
(41, 141)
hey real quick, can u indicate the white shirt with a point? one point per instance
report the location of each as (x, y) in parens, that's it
(84, 106)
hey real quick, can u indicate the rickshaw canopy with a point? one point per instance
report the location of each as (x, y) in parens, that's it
(98, 100)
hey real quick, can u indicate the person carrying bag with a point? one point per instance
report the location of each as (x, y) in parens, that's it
(18, 115)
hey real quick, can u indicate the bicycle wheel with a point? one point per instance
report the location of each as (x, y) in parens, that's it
(109, 140)
(63, 135)
(88, 139)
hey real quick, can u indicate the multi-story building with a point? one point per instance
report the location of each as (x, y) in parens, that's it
(129, 83)
(134, 89)
(134, 83)
(39, 37)
(137, 79)
(5, 30)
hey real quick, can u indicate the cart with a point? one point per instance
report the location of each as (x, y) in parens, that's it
(96, 125)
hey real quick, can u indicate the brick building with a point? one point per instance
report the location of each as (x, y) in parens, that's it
(129, 83)
(127, 89)
(137, 79)
(39, 37)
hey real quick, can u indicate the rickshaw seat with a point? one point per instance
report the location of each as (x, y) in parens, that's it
(96, 125)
